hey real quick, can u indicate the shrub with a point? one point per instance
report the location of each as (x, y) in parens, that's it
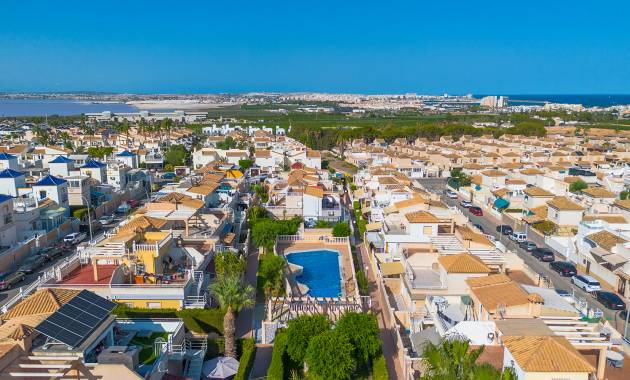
(300, 332)
(246, 361)
(379, 368)
(341, 229)
(362, 282)
(356, 205)
(578, 186)
(514, 210)
(245, 164)
(229, 264)
(80, 213)
(276, 367)
(329, 356)
(546, 227)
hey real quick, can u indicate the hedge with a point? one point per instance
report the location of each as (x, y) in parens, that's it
(379, 368)
(201, 321)
(246, 361)
(276, 367)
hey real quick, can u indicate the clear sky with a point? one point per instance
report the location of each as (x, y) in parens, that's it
(510, 47)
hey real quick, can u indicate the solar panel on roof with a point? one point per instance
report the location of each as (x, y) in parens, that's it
(77, 319)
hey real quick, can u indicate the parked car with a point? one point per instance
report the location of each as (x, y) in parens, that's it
(106, 219)
(610, 300)
(133, 203)
(7, 280)
(518, 237)
(478, 226)
(32, 264)
(527, 245)
(50, 253)
(543, 254)
(564, 268)
(586, 283)
(451, 194)
(565, 294)
(74, 238)
(504, 229)
(623, 315)
(476, 211)
(466, 204)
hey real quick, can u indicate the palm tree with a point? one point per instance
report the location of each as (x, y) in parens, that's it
(233, 296)
(453, 359)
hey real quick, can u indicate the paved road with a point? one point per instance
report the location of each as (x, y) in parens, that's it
(8, 294)
(489, 225)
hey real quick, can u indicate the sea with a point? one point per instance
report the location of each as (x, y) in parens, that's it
(61, 107)
(585, 100)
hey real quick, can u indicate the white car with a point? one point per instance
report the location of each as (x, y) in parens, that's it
(465, 204)
(106, 219)
(586, 283)
(74, 238)
(451, 194)
(518, 237)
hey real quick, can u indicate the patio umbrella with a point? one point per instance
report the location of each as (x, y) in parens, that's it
(221, 367)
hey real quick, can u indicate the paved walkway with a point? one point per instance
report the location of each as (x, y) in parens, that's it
(261, 361)
(245, 319)
(387, 345)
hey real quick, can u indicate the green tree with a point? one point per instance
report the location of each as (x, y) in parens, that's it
(176, 155)
(100, 151)
(329, 356)
(228, 264)
(362, 331)
(341, 229)
(270, 272)
(256, 213)
(245, 164)
(265, 231)
(233, 297)
(301, 331)
(578, 186)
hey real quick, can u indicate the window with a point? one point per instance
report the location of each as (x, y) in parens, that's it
(42, 194)
(154, 305)
(427, 230)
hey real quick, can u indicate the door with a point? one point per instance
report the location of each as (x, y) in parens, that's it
(621, 286)
(588, 267)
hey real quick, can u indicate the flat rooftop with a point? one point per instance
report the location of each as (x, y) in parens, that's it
(85, 275)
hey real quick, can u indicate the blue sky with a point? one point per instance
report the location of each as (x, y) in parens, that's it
(534, 47)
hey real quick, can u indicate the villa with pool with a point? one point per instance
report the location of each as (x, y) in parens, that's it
(319, 279)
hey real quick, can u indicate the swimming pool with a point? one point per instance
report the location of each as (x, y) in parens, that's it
(320, 271)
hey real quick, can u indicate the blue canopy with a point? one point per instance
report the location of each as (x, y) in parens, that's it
(500, 203)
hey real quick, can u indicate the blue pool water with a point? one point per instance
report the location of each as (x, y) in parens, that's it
(321, 271)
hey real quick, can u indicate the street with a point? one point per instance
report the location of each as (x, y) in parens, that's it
(489, 225)
(8, 294)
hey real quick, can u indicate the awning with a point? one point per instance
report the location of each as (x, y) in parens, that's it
(392, 269)
(500, 203)
(390, 210)
(373, 226)
(615, 259)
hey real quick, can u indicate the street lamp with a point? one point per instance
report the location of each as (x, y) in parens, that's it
(89, 216)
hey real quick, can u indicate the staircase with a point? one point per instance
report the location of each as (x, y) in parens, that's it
(198, 299)
(195, 352)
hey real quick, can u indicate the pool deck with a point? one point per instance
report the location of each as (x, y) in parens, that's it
(350, 285)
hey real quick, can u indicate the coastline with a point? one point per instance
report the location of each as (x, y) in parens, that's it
(152, 105)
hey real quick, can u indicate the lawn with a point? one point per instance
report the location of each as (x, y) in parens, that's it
(147, 353)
